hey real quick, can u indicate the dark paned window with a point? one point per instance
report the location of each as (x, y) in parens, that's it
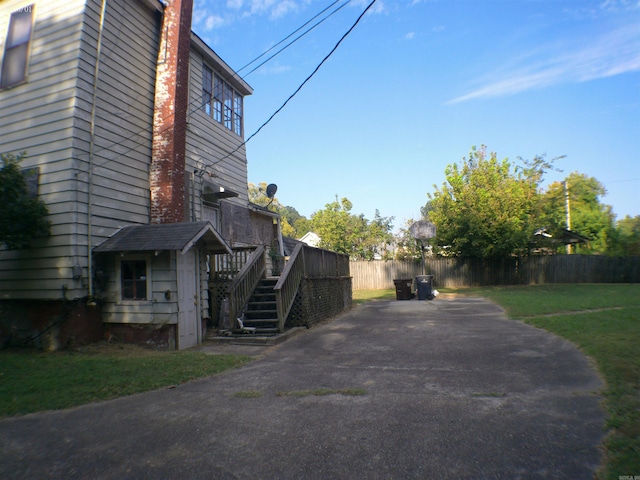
(217, 99)
(207, 81)
(16, 47)
(237, 114)
(134, 279)
(221, 101)
(228, 106)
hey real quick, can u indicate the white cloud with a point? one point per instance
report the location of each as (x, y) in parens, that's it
(213, 21)
(611, 54)
(235, 4)
(282, 8)
(410, 35)
(276, 70)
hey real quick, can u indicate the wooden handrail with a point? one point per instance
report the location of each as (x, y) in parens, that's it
(288, 284)
(245, 283)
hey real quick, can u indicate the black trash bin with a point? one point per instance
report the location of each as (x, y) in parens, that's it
(403, 288)
(424, 286)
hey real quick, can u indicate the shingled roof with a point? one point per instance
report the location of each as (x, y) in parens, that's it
(164, 236)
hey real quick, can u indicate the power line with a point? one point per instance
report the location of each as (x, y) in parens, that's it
(292, 34)
(293, 41)
(300, 87)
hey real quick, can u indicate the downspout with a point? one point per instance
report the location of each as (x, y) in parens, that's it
(91, 151)
(280, 237)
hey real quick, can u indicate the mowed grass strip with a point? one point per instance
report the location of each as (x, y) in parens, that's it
(32, 381)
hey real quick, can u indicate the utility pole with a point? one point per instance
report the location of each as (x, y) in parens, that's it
(567, 207)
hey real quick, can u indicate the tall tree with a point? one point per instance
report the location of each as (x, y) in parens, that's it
(626, 241)
(23, 217)
(487, 207)
(353, 235)
(589, 217)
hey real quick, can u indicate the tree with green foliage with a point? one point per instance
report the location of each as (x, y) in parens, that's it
(23, 217)
(487, 208)
(626, 240)
(258, 196)
(353, 235)
(589, 217)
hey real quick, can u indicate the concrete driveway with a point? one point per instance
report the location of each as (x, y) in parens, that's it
(447, 389)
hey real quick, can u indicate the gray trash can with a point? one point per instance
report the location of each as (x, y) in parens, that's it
(424, 286)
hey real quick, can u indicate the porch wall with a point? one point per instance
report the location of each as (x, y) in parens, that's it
(318, 299)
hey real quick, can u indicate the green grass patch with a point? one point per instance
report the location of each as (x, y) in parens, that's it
(362, 296)
(535, 300)
(248, 394)
(32, 381)
(320, 392)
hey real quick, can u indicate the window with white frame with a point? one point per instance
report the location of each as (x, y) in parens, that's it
(221, 101)
(16, 47)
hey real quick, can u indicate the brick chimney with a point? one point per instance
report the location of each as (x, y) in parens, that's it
(167, 178)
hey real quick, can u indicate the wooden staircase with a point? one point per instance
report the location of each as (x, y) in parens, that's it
(261, 312)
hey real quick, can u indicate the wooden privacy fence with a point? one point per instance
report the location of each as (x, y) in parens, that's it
(470, 272)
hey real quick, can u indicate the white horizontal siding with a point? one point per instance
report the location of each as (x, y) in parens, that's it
(123, 116)
(37, 118)
(156, 310)
(49, 117)
(209, 143)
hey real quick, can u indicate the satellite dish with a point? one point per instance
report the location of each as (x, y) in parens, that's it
(272, 188)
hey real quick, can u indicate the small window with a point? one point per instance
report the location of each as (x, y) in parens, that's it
(16, 47)
(133, 274)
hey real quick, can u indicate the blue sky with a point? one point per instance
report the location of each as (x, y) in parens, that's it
(417, 83)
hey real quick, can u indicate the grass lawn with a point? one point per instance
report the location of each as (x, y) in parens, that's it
(32, 381)
(604, 322)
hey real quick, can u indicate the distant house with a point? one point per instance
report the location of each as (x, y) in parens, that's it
(310, 238)
(136, 128)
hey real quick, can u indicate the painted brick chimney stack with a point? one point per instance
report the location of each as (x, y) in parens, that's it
(170, 114)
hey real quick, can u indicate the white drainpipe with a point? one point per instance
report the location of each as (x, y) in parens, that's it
(91, 149)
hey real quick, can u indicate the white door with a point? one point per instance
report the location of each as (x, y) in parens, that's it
(187, 300)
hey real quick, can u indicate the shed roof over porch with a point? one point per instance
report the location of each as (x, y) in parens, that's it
(165, 236)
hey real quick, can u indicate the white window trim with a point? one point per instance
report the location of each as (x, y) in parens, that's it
(31, 10)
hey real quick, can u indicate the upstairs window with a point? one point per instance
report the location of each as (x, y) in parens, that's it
(226, 106)
(16, 47)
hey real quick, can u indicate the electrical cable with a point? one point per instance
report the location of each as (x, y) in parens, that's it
(294, 40)
(300, 87)
(291, 34)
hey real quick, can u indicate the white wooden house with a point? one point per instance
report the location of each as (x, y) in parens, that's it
(135, 127)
